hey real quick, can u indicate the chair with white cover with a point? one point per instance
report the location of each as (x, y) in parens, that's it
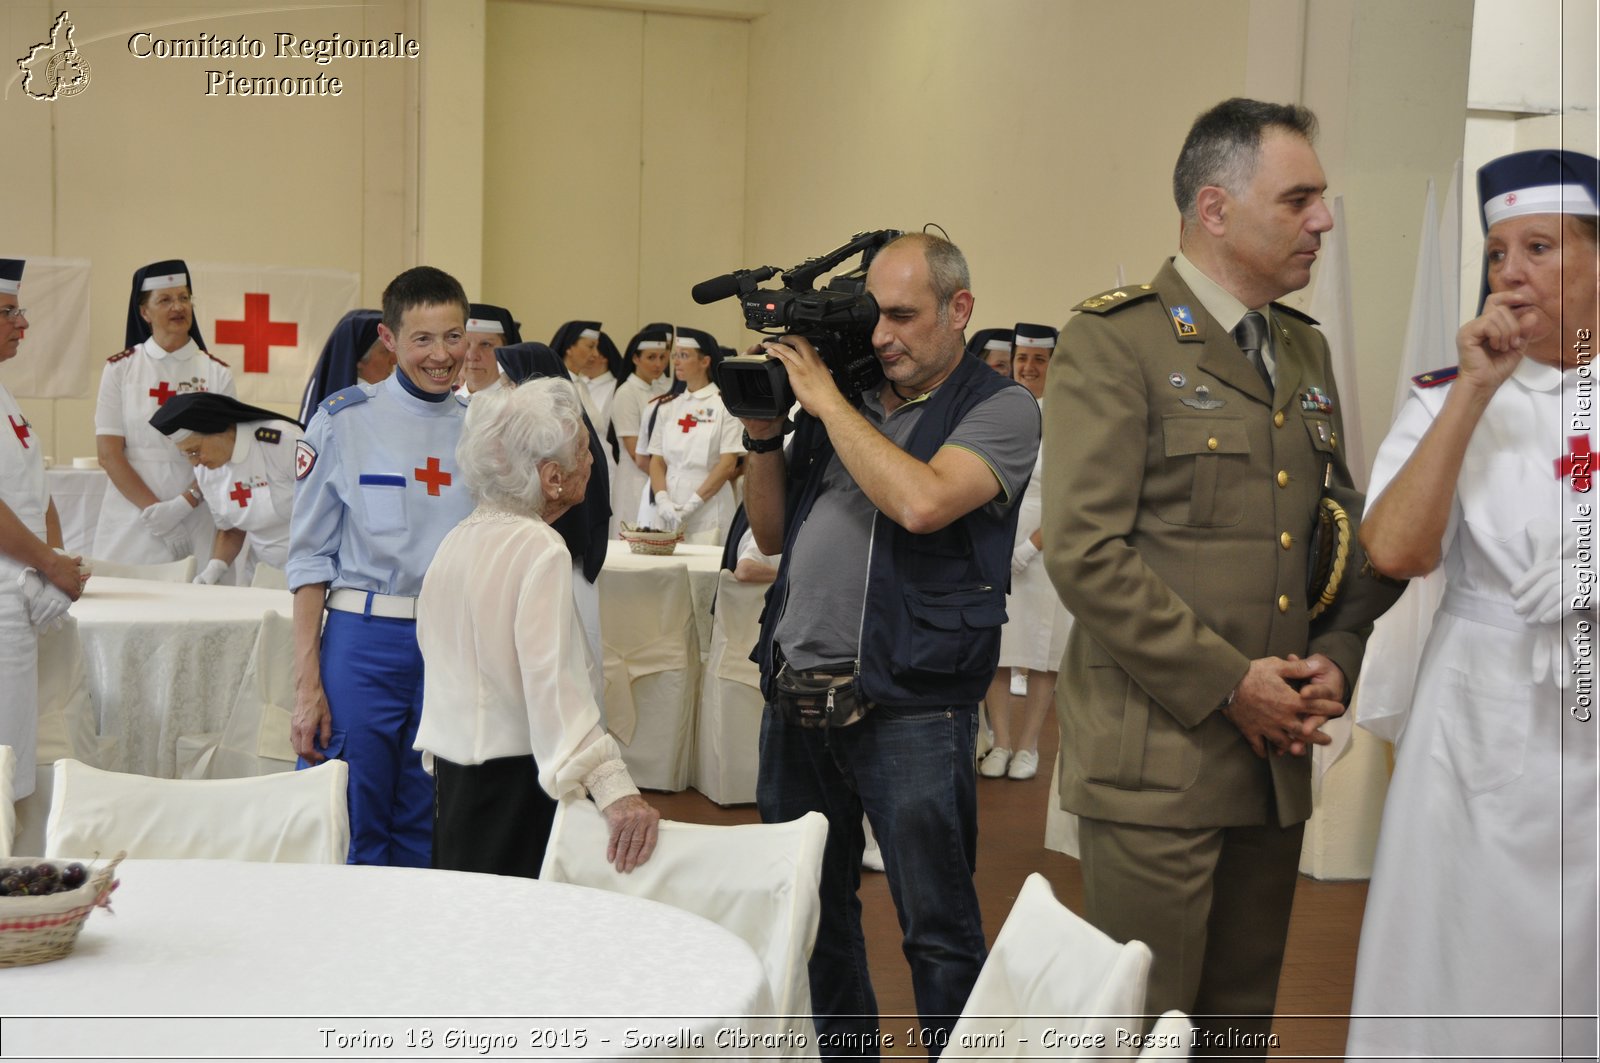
(728, 735)
(255, 739)
(1169, 1038)
(181, 571)
(652, 671)
(297, 817)
(8, 808)
(1049, 964)
(68, 725)
(758, 880)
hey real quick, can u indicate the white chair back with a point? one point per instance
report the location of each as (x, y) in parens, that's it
(168, 572)
(8, 808)
(255, 740)
(758, 880)
(291, 817)
(1050, 964)
(728, 736)
(1169, 1038)
(67, 723)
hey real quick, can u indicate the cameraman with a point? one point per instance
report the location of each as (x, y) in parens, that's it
(894, 515)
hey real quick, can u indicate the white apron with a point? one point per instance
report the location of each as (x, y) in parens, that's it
(1035, 633)
(22, 488)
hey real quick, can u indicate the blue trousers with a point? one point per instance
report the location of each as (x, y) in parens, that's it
(912, 772)
(372, 673)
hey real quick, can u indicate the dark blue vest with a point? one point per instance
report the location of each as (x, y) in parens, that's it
(930, 634)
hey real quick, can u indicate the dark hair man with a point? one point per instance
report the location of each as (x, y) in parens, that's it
(893, 510)
(1194, 426)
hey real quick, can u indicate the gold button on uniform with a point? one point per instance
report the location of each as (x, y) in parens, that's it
(1283, 478)
(1283, 603)
(1277, 419)
(1211, 444)
(1286, 540)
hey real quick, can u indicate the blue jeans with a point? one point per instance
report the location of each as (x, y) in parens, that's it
(912, 772)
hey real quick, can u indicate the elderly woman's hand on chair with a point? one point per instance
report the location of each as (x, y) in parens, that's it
(633, 827)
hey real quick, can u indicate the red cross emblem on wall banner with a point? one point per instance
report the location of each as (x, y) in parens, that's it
(258, 333)
(1579, 464)
(21, 428)
(162, 394)
(240, 494)
(433, 476)
(687, 423)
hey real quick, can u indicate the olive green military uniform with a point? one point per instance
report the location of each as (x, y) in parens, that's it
(1179, 499)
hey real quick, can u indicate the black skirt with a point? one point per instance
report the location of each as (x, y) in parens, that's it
(492, 817)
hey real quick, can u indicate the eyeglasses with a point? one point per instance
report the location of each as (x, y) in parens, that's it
(11, 313)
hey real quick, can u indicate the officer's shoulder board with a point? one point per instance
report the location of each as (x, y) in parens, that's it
(269, 435)
(119, 357)
(1435, 377)
(341, 400)
(1115, 298)
(1289, 311)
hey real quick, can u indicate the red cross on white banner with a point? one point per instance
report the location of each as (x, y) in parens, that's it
(240, 494)
(21, 428)
(687, 423)
(162, 394)
(1579, 464)
(258, 333)
(433, 476)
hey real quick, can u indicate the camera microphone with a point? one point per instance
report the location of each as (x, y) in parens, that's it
(718, 288)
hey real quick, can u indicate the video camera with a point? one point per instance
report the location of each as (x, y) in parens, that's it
(838, 320)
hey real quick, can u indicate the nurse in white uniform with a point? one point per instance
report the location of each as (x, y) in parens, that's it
(244, 469)
(148, 517)
(1035, 635)
(37, 581)
(1480, 932)
(647, 355)
(695, 447)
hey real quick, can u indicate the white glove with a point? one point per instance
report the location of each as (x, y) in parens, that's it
(163, 519)
(47, 603)
(666, 512)
(689, 508)
(1544, 592)
(215, 569)
(1553, 653)
(1023, 556)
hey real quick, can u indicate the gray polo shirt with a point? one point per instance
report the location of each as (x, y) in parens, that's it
(821, 621)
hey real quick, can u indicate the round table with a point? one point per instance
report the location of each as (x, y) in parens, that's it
(266, 959)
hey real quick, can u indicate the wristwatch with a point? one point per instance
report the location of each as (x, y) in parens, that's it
(762, 446)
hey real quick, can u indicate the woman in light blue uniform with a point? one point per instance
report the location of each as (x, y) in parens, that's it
(377, 489)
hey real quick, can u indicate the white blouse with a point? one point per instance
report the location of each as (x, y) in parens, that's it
(505, 658)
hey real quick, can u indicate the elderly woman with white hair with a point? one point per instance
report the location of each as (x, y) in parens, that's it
(509, 719)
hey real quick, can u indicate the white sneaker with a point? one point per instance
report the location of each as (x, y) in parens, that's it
(994, 765)
(1024, 764)
(872, 858)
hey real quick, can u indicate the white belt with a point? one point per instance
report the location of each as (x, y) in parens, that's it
(1496, 612)
(392, 606)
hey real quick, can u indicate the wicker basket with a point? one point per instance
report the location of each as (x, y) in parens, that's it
(37, 929)
(650, 541)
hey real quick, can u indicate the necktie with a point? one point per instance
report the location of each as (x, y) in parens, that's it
(1251, 335)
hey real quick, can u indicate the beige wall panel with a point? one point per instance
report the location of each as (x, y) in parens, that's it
(561, 165)
(692, 188)
(144, 165)
(450, 186)
(1039, 133)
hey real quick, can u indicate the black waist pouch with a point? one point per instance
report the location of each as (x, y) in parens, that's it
(823, 698)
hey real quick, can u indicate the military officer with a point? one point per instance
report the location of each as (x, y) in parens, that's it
(1184, 463)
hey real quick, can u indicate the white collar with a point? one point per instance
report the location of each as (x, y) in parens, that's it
(155, 350)
(243, 439)
(1536, 376)
(705, 392)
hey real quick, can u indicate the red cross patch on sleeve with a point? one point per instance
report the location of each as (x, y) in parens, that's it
(305, 456)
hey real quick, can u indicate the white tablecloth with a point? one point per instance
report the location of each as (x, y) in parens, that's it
(165, 660)
(384, 952)
(77, 494)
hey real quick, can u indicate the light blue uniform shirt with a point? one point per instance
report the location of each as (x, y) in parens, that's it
(376, 489)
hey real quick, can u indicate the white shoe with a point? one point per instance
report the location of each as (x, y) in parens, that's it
(994, 765)
(872, 858)
(1024, 764)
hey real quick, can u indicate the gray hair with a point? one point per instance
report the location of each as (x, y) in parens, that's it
(509, 433)
(947, 267)
(1224, 145)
